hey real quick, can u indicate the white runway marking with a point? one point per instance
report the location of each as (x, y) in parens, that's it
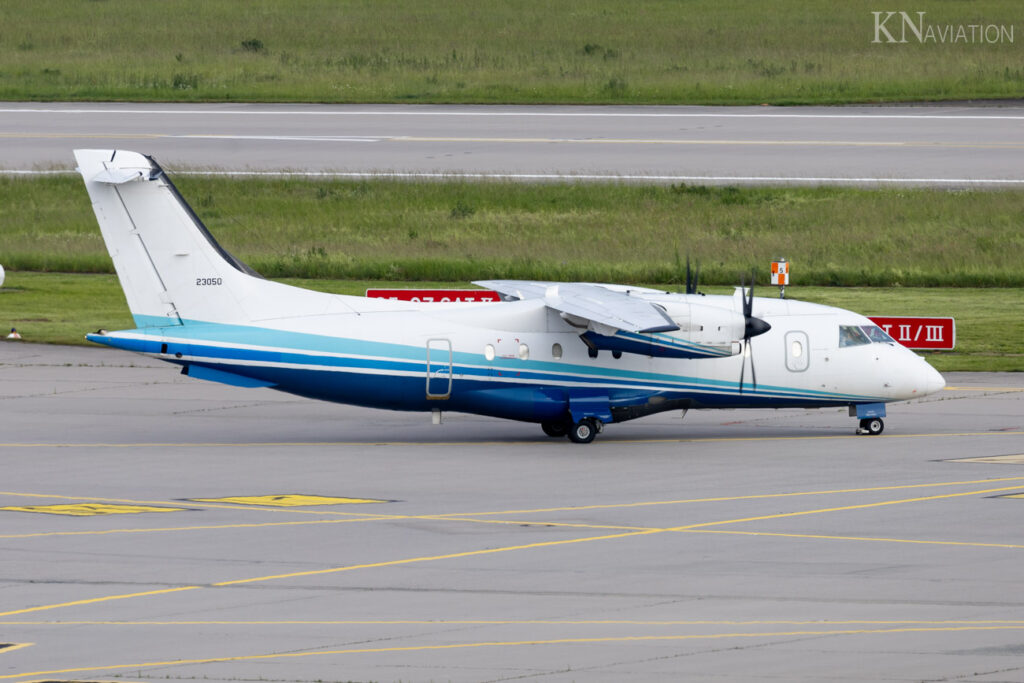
(522, 140)
(532, 114)
(284, 138)
(605, 177)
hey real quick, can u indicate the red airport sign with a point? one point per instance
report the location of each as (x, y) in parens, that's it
(434, 295)
(930, 334)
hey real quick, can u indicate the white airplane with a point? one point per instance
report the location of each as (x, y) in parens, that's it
(570, 356)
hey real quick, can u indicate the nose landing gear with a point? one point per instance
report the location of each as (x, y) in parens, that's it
(870, 416)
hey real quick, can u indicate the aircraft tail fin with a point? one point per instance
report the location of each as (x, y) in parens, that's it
(170, 266)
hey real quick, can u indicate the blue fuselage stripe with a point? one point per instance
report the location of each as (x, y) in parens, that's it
(394, 375)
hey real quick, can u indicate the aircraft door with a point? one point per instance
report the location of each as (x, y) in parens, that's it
(798, 351)
(439, 369)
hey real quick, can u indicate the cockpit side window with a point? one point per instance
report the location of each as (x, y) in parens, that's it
(877, 334)
(851, 335)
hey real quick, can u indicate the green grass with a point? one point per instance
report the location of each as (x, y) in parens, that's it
(522, 51)
(881, 245)
(450, 231)
(59, 308)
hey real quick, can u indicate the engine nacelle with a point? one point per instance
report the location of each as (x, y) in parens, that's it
(704, 332)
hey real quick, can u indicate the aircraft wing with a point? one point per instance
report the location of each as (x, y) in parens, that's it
(600, 309)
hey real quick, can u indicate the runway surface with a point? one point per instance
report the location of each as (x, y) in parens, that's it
(946, 146)
(155, 527)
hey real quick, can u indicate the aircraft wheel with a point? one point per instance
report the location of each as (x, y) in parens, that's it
(555, 429)
(872, 426)
(583, 431)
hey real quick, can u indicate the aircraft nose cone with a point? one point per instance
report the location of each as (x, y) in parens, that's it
(932, 380)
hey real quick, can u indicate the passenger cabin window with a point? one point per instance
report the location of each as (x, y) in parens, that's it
(851, 335)
(798, 357)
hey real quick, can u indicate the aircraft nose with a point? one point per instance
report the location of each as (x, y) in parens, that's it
(932, 381)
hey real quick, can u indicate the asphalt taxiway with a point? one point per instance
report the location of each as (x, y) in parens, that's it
(154, 527)
(948, 145)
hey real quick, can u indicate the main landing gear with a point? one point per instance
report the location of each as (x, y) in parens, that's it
(583, 431)
(555, 429)
(871, 425)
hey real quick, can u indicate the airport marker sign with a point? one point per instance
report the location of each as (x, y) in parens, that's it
(925, 334)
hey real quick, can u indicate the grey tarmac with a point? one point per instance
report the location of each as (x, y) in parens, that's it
(950, 145)
(210, 542)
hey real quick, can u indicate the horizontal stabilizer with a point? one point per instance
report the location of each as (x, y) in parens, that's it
(598, 308)
(116, 176)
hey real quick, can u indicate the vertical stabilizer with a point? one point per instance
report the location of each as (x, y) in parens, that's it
(170, 267)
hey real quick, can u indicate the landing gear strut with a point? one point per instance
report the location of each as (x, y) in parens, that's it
(871, 425)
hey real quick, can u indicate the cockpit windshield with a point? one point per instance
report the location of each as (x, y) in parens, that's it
(857, 335)
(851, 335)
(877, 334)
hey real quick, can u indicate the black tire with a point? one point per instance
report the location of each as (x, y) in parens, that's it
(555, 429)
(583, 431)
(872, 426)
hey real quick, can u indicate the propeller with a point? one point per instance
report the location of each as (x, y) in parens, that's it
(691, 278)
(751, 328)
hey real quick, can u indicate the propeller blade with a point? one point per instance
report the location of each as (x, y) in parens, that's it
(751, 328)
(743, 363)
(748, 300)
(691, 288)
(753, 373)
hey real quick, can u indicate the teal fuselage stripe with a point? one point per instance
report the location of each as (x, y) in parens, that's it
(216, 345)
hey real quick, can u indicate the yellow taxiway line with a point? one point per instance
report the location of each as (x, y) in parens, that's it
(518, 622)
(983, 389)
(350, 517)
(520, 643)
(504, 549)
(531, 443)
